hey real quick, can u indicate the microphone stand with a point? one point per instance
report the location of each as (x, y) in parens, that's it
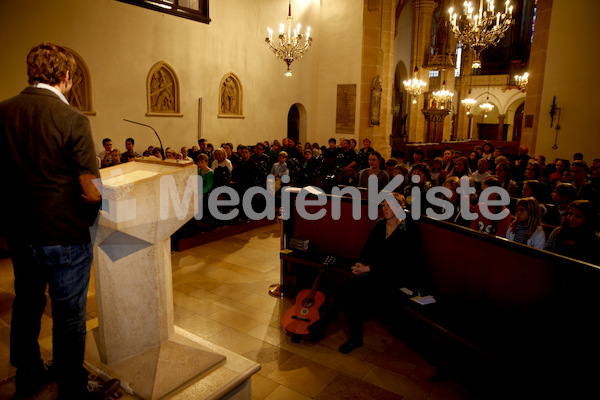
(162, 150)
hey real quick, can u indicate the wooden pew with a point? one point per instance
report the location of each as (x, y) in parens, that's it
(520, 306)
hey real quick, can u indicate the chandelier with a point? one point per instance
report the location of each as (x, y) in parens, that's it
(522, 80)
(468, 102)
(415, 86)
(481, 29)
(487, 106)
(289, 46)
(442, 97)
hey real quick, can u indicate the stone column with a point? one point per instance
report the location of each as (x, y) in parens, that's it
(501, 118)
(377, 59)
(537, 64)
(422, 15)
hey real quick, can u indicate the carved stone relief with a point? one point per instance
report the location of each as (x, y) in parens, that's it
(80, 95)
(231, 97)
(346, 109)
(163, 91)
(376, 90)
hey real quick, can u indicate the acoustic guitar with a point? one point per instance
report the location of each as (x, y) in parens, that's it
(305, 310)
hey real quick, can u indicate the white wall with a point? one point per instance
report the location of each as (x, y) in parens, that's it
(571, 74)
(121, 42)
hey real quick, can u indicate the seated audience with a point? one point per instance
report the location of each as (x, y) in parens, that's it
(461, 168)
(274, 152)
(205, 172)
(423, 183)
(307, 169)
(185, 154)
(221, 160)
(448, 159)
(503, 174)
(231, 156)
(453, 183)
(535, 189)
(487, 152)
(562, 196)
(438, 174)
(280, 169)
(330, 158)
(116, 157)
(363, 154)
(390, 165)
(245, 174)
(375, 164)
(346, 164)
(576, 237)
(292, 150)
(585, 190)
(473, 158)
(104, 155)
(130, 153)
(157, 152)
(482, 223)
(418, 156)
(561, 167)
(481, 173)
(527, 226)
(401, 169)
(170, 154)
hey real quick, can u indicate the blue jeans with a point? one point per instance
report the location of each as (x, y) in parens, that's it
(65, 269)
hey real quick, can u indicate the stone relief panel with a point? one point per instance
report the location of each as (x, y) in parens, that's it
(345, 109)
(376, 90)
(80, 95)
(162, 88)
(231, 97)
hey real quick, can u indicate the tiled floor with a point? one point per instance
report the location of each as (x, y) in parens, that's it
(220, 294)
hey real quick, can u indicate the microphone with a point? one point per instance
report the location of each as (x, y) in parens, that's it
(162, 150)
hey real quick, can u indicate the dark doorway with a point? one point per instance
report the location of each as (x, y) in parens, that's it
(293, 123)
(518, 123)
(490, 131)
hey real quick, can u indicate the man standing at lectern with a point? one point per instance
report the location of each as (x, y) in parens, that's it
(47, 164)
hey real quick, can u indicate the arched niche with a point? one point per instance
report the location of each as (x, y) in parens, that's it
(163, 91)
(80, 95)
(297, 123)
(231, 97)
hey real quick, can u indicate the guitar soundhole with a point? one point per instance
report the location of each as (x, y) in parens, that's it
(308, 302)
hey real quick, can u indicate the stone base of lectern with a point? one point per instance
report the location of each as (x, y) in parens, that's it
(186, 366)
(136, 340)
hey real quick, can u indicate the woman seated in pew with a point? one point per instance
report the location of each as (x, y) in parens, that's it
(378, 274)
(576, 237)
(375, 168)
(484, 224)
(527, 226)
(461, 168)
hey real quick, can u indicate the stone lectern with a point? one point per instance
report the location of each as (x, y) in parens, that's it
(136, 341)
